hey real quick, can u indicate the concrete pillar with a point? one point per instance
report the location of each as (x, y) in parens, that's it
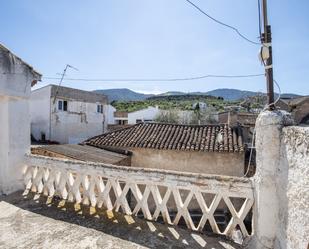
(16, 79)
(14, 142)
(267, 197)
(4, 138)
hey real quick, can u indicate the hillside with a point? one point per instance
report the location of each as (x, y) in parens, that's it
(123, 94)
(184, 97)
(183, 102)
(231, 94)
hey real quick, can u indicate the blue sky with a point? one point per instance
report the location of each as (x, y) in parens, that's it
(157, 39)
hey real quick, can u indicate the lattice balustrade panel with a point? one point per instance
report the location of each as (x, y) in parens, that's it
(175, 198)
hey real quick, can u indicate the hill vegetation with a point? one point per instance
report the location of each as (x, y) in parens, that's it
(183, 102)
(124, 94)
(129, 101)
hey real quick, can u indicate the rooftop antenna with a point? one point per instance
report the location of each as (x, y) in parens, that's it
(62, 76)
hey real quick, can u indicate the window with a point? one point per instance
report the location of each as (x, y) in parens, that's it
(100, 108)
(65, 105)
(62, 105)
(122, 122)
(139, 121)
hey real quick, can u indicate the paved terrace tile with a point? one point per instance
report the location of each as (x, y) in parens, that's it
(39, 222)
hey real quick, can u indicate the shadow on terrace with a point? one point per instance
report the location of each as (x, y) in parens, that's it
(46, 220)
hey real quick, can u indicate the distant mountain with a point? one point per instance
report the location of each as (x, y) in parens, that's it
(183, 97)
(123, 94)
(231, 94)
(227, 94)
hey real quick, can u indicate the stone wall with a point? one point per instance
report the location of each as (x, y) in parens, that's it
(294, 191)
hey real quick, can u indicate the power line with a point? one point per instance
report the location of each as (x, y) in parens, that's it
(223, 24)
(157, 79)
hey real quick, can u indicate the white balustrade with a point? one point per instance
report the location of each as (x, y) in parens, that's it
(147, 191)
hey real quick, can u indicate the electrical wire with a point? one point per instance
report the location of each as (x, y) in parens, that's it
(222, 23)
(157, 79)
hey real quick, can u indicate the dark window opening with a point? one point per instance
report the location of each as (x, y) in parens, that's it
(122, 122)
(65, 105)
(100, 108)
(60, 105)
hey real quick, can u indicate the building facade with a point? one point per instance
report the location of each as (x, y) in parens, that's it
(130, 118)
(111, 114)
(67, 115)
(145, 115)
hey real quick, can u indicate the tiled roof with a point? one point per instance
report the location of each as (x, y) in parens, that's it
(77, 94)
(82, 153)
(218, 138)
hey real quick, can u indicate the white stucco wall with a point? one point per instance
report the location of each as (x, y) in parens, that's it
(40, 112)
(110, 114)
(16, 78)
(14, 141)
(145, 114)
(79, 123)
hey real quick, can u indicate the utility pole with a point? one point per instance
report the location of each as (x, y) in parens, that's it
(268, 60)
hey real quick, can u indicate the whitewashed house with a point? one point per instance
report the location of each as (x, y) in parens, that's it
(145, 115)
(16, 79)
(67, 115)
(141, 116)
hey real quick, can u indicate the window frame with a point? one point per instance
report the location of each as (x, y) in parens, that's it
(63, 105)
(60, 105)
(100, 108)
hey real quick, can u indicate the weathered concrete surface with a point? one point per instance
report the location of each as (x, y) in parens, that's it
(16, 79)
(267, 178)
(28, 223)
(294, 217)
(219, 163)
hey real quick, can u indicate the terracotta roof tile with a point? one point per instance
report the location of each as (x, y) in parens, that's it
(218, 138)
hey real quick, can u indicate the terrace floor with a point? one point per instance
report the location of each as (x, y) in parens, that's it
(38, 222)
